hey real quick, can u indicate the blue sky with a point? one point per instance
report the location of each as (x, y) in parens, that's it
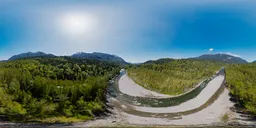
(137, 30)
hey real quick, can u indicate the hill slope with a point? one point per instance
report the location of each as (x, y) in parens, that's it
(221, 58)
(99, 56)
(30, 55)
(92, 56)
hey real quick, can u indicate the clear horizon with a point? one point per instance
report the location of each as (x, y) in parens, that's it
(137, 31)
(142, 61)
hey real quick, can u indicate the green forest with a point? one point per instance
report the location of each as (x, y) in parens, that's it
(174, 77)
(171, 76)
(241, 80)
(59, 89)
(64, 89)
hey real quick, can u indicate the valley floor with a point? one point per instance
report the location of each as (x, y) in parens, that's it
(201, 99)
(217, 113)
(210, 116)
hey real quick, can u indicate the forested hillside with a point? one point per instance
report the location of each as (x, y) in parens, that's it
(80, 55)
(171, 76)
(31, 55)
(241, 79)
(58, 89)
(100, 56)
(225, 58)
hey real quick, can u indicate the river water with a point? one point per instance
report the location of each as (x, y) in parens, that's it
(114, 91)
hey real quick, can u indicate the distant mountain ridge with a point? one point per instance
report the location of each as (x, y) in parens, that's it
(159, 61)
(221, 58)
(99, 56)
(81, 55)
(30, 55)
(116, 59)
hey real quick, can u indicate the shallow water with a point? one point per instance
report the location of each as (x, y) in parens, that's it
(114, 91)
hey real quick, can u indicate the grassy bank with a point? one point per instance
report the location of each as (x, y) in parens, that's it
(172, 77)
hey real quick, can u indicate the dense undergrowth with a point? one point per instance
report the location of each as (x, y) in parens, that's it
(54, 89)
(241, 79)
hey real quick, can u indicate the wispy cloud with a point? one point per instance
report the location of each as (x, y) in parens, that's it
(232, 54)
(211, 49)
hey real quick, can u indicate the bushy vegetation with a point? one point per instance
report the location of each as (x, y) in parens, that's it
(225, 117)
(54, 89)
(172, 77)
(241, 79)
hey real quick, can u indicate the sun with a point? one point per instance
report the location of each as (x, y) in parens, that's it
(77, 24)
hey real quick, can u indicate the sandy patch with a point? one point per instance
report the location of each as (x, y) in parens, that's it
(129, 87)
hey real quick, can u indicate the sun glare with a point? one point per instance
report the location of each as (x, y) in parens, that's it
(77, 24)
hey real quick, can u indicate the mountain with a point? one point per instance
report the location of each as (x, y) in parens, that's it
(99, 56)
(81, 55)
(159, 61)
(30, 55)
(221, 58)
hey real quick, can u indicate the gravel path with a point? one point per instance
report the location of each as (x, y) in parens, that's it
(202, 98)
